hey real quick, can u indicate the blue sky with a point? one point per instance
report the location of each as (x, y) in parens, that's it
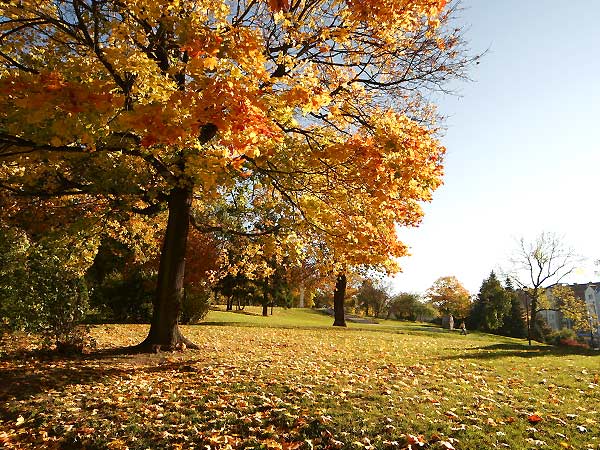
(523, 149)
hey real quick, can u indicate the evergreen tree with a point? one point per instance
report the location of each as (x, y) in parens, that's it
(475, 319)
(492, 305)
(514, 324)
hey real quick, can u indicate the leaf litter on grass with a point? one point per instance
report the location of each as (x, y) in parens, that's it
(298, 388)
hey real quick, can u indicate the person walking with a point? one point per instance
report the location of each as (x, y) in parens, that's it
(463, 328)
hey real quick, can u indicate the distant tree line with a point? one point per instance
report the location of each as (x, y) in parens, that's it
(496, 309)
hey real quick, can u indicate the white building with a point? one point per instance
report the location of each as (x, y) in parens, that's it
(553, 318)
(592, 301)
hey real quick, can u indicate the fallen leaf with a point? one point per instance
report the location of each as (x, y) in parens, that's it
(534, 418)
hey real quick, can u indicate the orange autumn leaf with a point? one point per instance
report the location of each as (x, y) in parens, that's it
(534, 418)
(279, 5)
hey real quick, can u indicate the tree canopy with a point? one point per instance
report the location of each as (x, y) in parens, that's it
(573, 308)
(450, 296)
(132, 116)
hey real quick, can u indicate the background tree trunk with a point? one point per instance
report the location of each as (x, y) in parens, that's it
(164, 330)
(528, 320)
(265, 300)
(531, 331)
(338, 301)
(301, 299)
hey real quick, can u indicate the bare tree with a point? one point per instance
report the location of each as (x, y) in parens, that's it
(536, 264)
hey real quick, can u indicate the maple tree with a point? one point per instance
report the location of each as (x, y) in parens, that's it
(574, 309)
(339, 295)
(450, 297)
(305, 279)
(124, 115)
(202, 257)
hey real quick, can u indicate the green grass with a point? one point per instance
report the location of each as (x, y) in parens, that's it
(292, 381)
(252, 316)
(305, 318)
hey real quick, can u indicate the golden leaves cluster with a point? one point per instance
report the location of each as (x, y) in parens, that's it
(282, 83)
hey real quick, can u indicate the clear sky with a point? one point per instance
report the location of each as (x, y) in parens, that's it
(523, 148)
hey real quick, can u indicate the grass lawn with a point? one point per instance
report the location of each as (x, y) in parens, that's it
(291, 381)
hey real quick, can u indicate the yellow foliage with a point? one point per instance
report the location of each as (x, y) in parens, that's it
(306, 97)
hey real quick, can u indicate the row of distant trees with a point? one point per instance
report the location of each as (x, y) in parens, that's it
(376, 300)
(509, 306)
(495, 309)
(532, 284)
(43, 290)
(503, 310)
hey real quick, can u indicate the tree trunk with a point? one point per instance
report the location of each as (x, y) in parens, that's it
(338, 301)
(531, 325)
(265, 300)
(527, 319)
(301, 300)
(164, 330)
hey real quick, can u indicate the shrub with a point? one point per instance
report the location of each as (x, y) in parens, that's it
(563, 336)
(14, 247)
(195, 306)
(59, 301)
(43, 289)
(572, 343)
(124, 297)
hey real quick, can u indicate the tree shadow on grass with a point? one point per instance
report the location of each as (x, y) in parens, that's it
(498, 351)
(28, 377)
